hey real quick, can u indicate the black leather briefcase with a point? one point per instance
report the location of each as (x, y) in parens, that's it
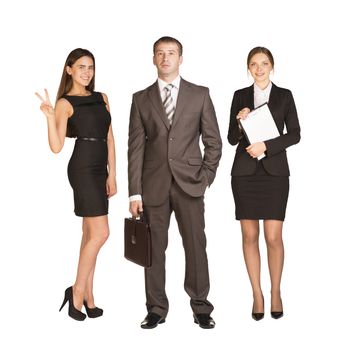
(138, 243)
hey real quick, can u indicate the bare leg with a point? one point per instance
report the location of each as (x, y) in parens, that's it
(95, 233)
(275, 247)
(88, 295)
(250, 242)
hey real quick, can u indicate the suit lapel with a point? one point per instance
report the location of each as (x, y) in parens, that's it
(250, 97)
(274, 102)
(273, 98)
(182, 99)
(154, 96)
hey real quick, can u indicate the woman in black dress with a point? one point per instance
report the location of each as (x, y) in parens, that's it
(260, 187)
(82, 113)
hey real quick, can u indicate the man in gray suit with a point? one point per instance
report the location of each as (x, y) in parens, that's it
(167, 173)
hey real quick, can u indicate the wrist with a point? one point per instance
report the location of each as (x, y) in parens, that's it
(135, 197)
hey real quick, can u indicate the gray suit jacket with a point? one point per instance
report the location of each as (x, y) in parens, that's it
(158, 152)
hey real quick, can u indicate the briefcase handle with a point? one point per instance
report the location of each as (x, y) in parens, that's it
(142, 217)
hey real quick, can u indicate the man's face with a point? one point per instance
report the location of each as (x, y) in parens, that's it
(167, 60)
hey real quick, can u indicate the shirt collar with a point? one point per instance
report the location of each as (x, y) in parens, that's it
(176, 83)
(266, 91)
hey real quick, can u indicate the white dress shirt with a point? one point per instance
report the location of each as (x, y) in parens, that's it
(174, 94)
(174, 91)
(261, 96)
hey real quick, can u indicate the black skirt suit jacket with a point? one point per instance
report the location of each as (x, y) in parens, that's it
(283, 110)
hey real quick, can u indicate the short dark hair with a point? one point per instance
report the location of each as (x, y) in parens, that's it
(260, 49)
(168, 39)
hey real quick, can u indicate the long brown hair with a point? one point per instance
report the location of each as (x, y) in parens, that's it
(66, 79)
(260, 49)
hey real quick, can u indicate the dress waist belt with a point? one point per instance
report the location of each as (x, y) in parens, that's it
(91, 139)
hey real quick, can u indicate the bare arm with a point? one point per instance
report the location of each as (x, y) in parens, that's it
(57, 120)
(111, 188)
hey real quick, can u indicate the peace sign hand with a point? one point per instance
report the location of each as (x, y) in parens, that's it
(46, 106)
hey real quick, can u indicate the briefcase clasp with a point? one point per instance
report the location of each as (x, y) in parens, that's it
(133, 239)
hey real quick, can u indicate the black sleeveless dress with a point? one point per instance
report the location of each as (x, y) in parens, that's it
(87, 168)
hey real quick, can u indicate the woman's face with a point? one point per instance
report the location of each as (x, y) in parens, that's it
(260, 68)
(82, 71)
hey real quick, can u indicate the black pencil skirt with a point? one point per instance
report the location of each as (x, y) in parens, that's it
(260, 196)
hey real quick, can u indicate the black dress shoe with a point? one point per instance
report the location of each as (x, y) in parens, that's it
(277, 314)
(93, 312)
(152, 320)
(204, 321)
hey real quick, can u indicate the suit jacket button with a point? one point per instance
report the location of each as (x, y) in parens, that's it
(170, 159)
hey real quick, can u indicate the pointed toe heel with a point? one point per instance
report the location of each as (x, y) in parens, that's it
(277, 314)
(257, 316)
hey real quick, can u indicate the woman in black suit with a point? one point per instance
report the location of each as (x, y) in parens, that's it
(260, 187)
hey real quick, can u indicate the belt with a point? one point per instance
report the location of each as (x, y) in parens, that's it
(91, 139)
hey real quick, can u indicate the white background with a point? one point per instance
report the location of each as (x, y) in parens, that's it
(40, 235)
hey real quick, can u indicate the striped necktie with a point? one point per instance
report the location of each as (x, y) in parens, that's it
(168, 103)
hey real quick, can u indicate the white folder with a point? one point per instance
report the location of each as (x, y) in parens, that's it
(259, 126)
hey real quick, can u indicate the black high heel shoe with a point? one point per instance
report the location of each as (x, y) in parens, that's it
(277, 314)
(93, 312)
(72, 311)
(257, 316)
